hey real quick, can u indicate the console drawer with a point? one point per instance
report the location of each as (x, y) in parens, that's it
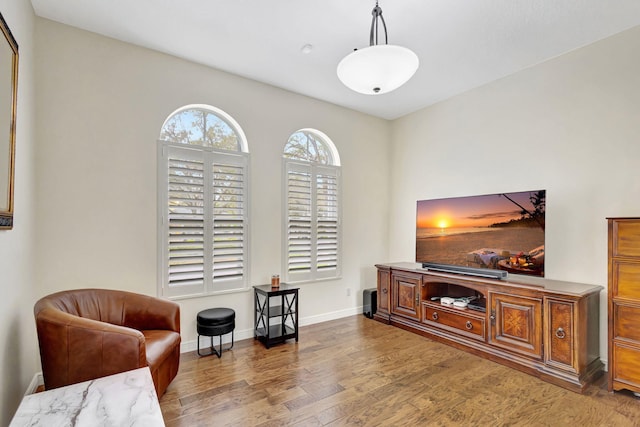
(460, 321)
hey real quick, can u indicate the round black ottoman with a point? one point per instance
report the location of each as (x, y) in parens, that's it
(215, 322)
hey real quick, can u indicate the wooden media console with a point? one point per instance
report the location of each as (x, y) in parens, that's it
(547, 328)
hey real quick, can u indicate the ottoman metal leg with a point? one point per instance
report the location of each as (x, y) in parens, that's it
(213, 349)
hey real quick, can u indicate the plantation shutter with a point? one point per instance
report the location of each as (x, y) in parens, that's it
(204, 223)
(229, 247)
(184, 222)
(312, 228)
(299, 220)
(327, 221)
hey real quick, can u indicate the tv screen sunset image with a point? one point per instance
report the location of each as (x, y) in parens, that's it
(498, 231)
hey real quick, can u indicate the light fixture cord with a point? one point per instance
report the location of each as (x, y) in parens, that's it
(373, 35)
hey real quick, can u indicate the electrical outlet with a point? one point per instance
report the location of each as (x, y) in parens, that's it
(348, 292)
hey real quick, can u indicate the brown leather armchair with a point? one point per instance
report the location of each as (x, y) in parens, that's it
(90, 333)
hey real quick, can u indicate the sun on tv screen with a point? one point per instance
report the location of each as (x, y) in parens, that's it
(503, 231)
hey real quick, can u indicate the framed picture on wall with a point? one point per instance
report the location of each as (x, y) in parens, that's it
(8, 105)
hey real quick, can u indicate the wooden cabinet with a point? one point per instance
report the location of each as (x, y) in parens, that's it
(546, 328)
(405, 294)
(516, 323)
(624, 304)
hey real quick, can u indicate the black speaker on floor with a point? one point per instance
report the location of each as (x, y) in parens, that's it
(369, 302)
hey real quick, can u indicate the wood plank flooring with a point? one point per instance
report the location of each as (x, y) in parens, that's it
(356, 371)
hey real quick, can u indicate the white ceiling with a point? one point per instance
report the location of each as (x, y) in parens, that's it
(461, 44)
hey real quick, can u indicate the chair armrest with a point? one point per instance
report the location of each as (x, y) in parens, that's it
(144, 312)
(75, 349)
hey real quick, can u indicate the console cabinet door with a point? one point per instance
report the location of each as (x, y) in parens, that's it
(516, 323)
(384, 285)
(559, 350)
(405, 294)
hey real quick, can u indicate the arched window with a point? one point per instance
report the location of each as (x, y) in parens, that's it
(202, 198)
(204, 126)
(312, 206)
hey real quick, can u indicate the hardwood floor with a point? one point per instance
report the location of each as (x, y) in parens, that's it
(356, 371)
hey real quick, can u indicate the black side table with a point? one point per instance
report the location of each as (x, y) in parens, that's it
(275, 313)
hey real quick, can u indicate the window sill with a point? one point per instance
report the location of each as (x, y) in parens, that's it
(211, 294)
(303, 282)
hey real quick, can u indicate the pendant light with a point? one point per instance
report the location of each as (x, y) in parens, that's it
(378, 68)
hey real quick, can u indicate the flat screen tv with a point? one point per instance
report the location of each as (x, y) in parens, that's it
(494, 234)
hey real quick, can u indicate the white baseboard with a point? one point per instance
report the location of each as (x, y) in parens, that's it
(36, 382)
(187, 346)
(330, 316)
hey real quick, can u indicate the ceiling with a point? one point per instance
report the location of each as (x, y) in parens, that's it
(461, 44)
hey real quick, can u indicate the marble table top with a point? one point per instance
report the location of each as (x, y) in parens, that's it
(125, 399)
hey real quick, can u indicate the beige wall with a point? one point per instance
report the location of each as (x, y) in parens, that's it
(570, 125)
(19, 355)
(101, 104)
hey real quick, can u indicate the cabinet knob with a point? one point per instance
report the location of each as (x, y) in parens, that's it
(469, 325)
(560, 333)
(384, 290)
(434, 316)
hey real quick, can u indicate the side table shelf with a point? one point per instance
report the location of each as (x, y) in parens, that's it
(275, 313)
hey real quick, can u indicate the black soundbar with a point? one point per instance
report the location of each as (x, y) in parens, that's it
(470, 271)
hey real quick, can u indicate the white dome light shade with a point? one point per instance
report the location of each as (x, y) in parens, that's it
(377, 69)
